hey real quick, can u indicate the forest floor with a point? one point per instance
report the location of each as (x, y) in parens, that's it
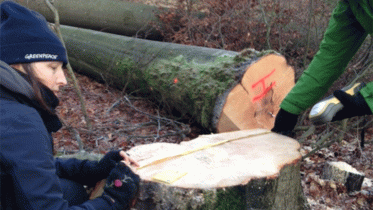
(121, 121)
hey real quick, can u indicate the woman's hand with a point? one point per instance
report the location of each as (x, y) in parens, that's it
(102, 168)
(122, 186)
(128, 160)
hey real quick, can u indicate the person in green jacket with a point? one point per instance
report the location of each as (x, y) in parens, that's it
(350, 24)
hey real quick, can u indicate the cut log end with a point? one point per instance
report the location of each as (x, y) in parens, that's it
(254, 102)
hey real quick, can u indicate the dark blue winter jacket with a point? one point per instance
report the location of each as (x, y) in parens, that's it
(29, 173)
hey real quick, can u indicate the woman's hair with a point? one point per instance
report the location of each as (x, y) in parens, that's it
(36, 86)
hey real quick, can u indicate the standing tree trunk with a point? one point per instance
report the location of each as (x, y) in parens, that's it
(252, 169)
(222, 90)
(119, 17)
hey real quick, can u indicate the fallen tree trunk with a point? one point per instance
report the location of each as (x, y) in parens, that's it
(222, 90)
(119, 17)
(252, 169)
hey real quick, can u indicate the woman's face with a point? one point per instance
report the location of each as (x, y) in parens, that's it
(50, 73)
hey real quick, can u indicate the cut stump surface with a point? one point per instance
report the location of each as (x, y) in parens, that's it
(238, 170)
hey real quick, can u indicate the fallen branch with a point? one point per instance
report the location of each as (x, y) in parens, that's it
(322, 143)
(364, 58)
(136, 126)
(155, 121)
(368, 124)
(157, 136)
(367, 63)
(306, 134)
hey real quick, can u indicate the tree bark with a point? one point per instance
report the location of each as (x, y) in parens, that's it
(119, 17)
(252, 169)
(222, 90)
(344, 173)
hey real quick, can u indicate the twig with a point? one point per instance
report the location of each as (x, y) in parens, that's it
(300, 122)
(71, 73)
(161, 136)
(135, 127)
(156, 120)
(268, 25)
(344, 130)
(113, 106)
(308, 133)
(365, 55)
(308, 32)
(368, 124)
(368, 63)
(302, 128)
(143, 27)
(159, 125)
(66, 152)
(320, 144)
(147, 114)
(221, 34)
(362, 135)
(76, 135)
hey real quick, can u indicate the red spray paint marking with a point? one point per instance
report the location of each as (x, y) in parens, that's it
(265, 90)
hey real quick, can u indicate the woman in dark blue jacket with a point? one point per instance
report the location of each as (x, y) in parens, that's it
(31, 70)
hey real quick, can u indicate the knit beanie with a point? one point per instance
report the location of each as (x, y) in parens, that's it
(25, 36)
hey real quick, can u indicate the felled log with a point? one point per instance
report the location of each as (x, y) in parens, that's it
(81, 155)
(345, 174)
(251, 169)
(119, 17)
(222, 90)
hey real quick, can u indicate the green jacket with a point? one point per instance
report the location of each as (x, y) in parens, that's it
(350, 24)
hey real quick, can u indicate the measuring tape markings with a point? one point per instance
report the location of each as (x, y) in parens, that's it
(200, 148)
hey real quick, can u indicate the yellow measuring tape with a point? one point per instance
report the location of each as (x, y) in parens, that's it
(200, 148)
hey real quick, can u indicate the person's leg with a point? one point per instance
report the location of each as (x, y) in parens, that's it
(73, 192)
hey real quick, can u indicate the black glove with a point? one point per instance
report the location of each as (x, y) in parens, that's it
(285, 123)
(352, 105)
(122, 186)
(102, 169)
(87, 172)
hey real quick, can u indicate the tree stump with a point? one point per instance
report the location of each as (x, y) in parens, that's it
(345, 174)
(250, 169)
